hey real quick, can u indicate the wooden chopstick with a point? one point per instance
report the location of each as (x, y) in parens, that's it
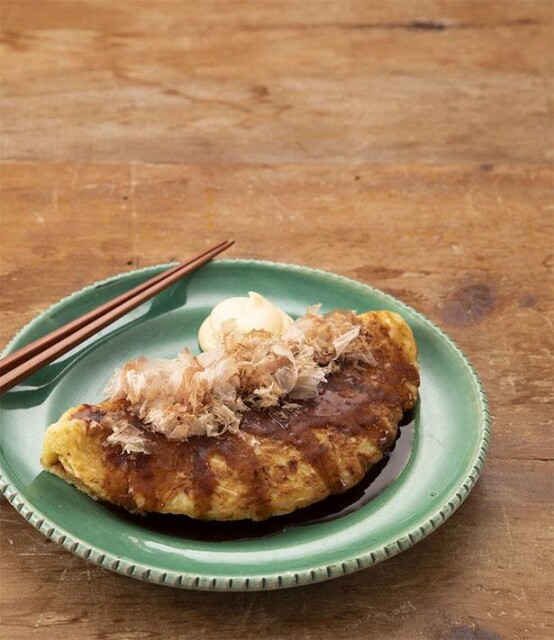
(69, 336)
(21, 355)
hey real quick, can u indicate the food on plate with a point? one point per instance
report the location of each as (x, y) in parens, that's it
(267, 421)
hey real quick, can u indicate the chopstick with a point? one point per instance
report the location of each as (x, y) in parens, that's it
(23, 354)
(29, 359)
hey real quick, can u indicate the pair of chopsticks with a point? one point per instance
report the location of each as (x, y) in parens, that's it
(26, 361)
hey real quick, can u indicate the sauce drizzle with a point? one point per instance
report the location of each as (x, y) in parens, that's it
(377, 479)
(357, 403)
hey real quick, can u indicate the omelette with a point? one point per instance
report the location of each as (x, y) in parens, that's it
(259, 427)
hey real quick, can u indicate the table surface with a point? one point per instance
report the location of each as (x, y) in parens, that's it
(404, 144)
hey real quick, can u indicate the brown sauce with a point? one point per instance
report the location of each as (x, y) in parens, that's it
(377, 479)
(356, 402)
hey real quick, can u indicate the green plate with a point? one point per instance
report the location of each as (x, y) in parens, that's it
(452, 433)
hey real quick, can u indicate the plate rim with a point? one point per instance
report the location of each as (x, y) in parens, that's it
(277, 580)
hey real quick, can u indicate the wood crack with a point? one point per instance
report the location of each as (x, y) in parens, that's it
(413, 25)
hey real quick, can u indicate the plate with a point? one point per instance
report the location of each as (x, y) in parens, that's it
(451, 437)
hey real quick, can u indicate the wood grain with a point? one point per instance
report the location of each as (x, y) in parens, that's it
(275, 82)
(403, 144)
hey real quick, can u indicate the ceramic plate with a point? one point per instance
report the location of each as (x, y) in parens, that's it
(451, 438)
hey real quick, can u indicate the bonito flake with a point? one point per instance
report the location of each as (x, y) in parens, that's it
(208, 394)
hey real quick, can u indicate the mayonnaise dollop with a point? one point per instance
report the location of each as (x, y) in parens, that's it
(249, 313)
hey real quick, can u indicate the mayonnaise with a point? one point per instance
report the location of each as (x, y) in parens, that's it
(254, 312)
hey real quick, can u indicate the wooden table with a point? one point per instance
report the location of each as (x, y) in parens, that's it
(404, 144)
